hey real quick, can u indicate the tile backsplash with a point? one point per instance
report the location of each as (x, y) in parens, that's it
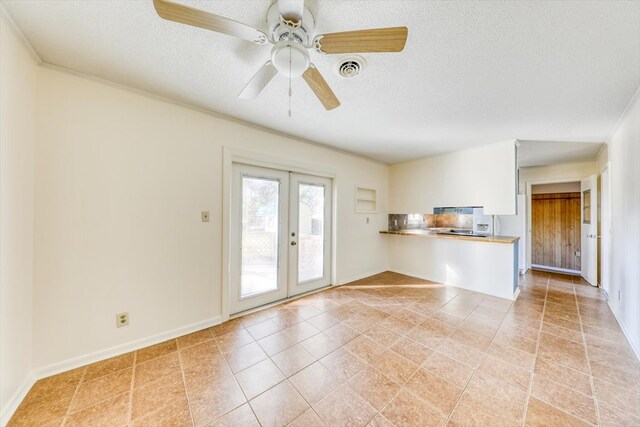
(412, 221)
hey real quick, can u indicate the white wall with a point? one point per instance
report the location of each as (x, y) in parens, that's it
(561, 187)
(121, 179)
(18, 80)
(556, 173)
(482, 176)
(456, 262)
(624, 157)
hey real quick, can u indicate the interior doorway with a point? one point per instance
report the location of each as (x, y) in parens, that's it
(280, 233)
(555, 227)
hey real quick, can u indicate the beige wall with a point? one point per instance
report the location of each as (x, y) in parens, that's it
(624, 157)
(563, 187)
(562, 172)
(121, 180)
(18, 74)
(482, 176)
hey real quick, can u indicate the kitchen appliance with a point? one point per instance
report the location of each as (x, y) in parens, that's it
(482, 224)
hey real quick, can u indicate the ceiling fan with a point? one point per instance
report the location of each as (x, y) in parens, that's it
(291, 29)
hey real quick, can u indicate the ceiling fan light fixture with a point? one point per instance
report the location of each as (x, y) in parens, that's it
(291, 29)
(290, 58)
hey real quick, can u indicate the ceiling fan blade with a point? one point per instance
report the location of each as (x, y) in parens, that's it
(374, 40)
(291, 10)
(198, 18)
(319, 86)
(259, 81)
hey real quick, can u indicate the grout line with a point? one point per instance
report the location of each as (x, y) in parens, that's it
(403, 386)
(184, 382)
(484, 354)
(75, 392)
(593, 397)
(586, 353)
(133, 381)
(247, 400)
(111, 396)
(535, 360)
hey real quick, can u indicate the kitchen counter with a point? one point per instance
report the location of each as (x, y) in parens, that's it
(434, 234)
(482, 264)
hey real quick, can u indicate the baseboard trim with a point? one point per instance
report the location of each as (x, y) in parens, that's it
(636, 351)
(117, 350)
(516, 293)
(555, 269)
(17, 398)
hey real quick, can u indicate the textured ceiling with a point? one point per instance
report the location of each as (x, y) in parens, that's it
(472, 73)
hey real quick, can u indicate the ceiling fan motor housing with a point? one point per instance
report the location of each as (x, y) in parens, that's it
(280, 30)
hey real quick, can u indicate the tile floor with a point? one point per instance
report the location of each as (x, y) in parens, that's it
(388, 350)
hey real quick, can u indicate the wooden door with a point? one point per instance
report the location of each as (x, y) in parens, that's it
(555, 220)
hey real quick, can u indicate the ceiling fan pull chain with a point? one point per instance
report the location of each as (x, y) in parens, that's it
(290, 92)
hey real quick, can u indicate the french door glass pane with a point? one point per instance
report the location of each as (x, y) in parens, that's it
(260, 204)
(310, 232)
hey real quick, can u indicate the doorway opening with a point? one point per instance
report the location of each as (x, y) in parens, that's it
(280, 231)
(555, 227)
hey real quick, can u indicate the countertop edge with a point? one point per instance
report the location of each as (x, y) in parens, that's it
(488, 239)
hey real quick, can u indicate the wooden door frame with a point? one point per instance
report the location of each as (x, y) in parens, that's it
(555, 234)
(528, 185)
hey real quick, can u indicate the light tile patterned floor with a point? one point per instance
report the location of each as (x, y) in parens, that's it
(387, 350)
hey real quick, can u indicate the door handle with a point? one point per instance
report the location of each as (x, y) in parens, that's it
(293, 243)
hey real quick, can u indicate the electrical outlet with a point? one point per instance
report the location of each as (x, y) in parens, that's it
(205, 216)
(122, 319)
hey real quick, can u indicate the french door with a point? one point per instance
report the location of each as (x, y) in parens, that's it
(280, 235)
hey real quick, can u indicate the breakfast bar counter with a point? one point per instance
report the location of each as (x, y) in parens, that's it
(486, 264)
(431, 233)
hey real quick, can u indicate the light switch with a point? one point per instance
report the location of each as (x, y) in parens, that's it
(205, 216)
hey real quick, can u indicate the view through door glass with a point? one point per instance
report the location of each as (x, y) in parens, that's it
(311, 223)
(260, 205)
(279, 232)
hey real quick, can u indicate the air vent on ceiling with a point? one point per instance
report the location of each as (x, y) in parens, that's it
(350, 66)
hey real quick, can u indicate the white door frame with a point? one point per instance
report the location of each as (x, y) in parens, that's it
(267, 160)
(605, 231)
(237, 302)
(295, 287)
(589, 231)
(528, 185)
